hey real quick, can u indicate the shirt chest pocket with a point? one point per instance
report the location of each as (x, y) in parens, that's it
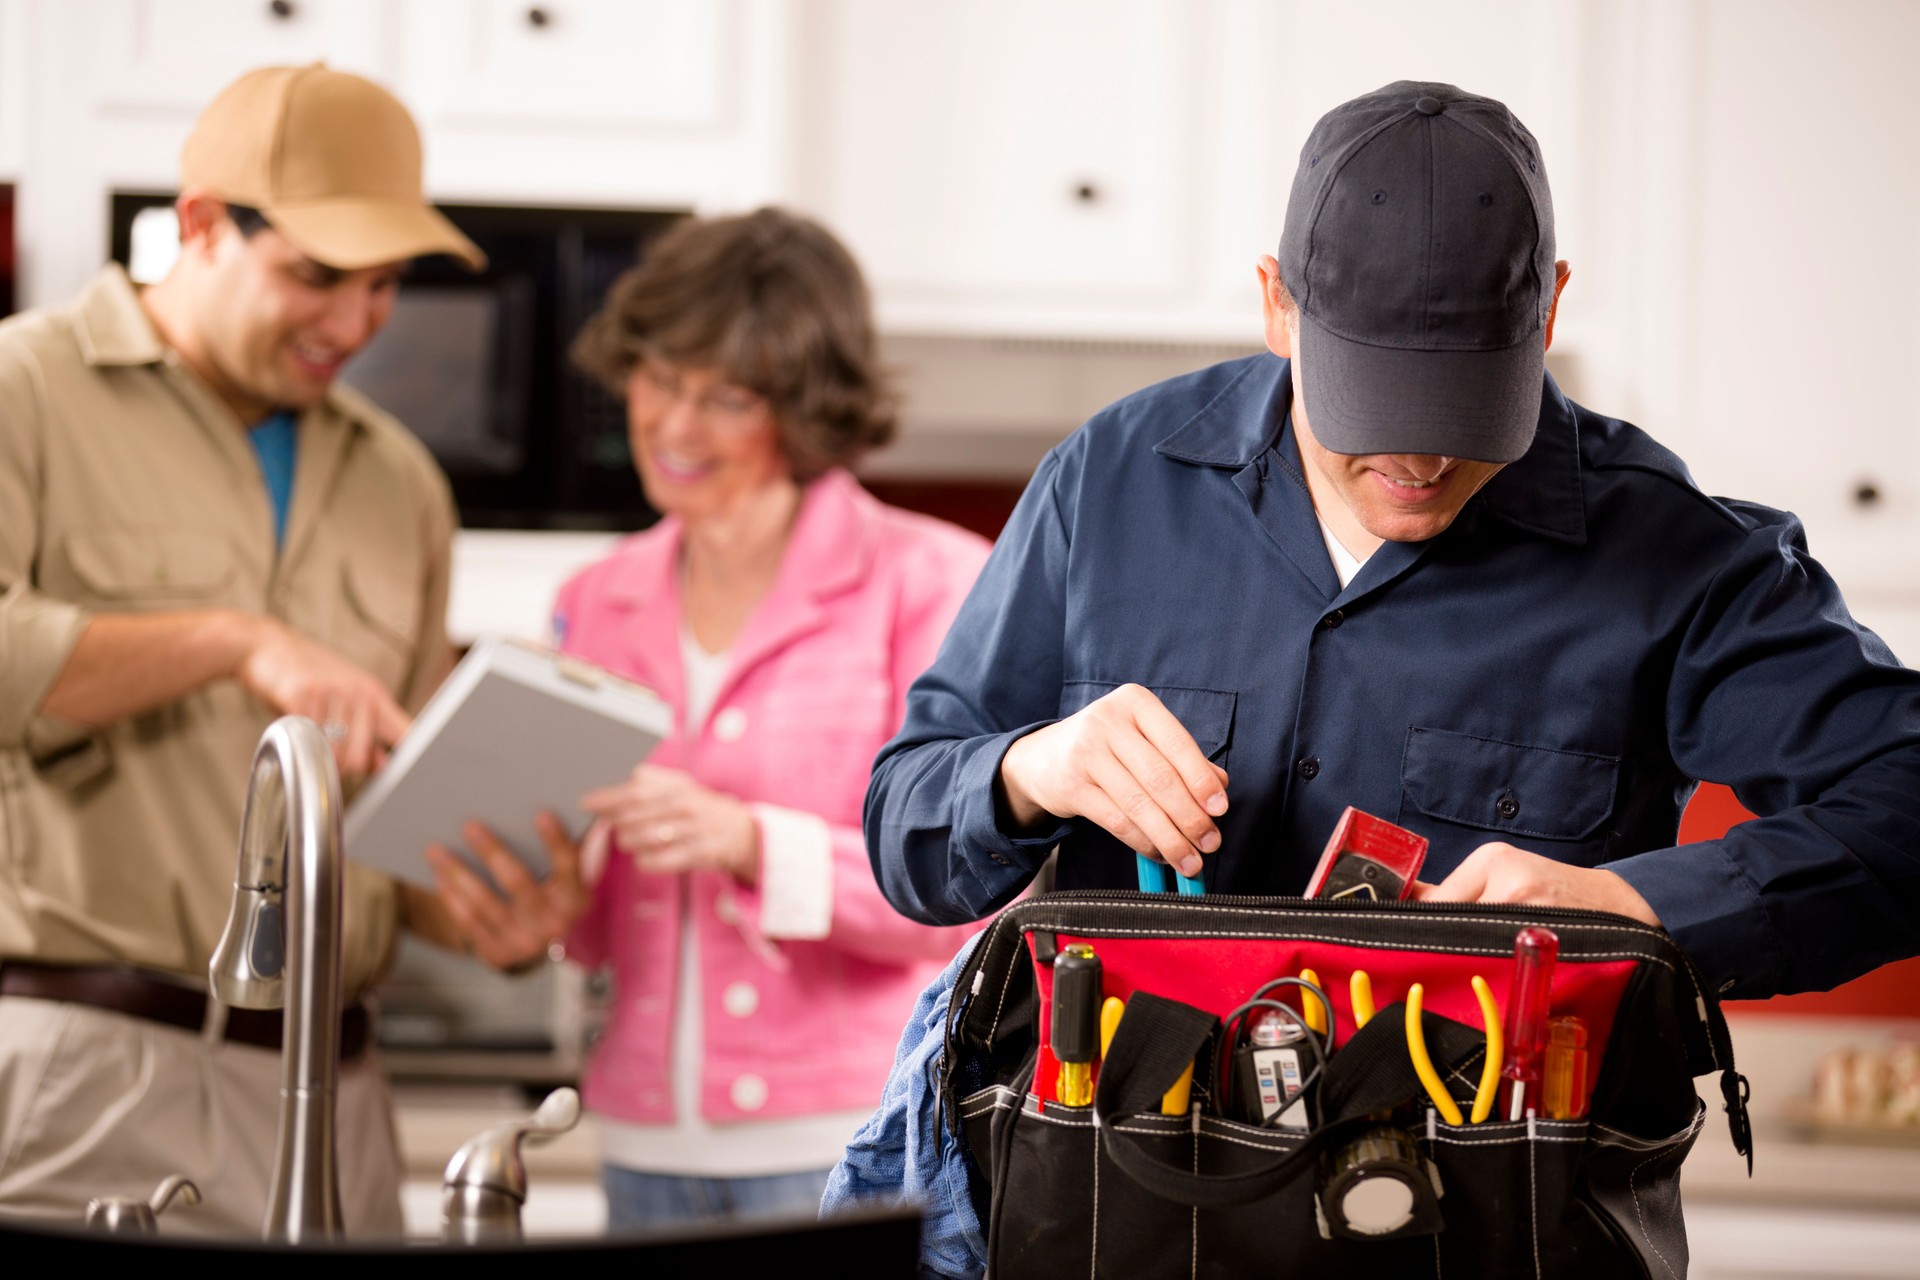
(380, 624)
(130, 568)
(1206, 714)
(1540, 793)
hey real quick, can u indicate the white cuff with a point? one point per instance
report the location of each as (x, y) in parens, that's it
(796, 873)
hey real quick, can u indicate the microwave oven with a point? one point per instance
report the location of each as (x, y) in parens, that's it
(475, 364)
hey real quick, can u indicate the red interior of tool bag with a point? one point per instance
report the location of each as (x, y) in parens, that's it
(1220, 974)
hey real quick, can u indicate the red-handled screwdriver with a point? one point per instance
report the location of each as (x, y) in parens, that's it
(1528, 1007)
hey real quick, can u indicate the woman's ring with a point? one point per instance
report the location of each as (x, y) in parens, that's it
(334, 731)
(663, 834)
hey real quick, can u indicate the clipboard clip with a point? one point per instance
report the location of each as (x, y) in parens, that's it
(579, 672)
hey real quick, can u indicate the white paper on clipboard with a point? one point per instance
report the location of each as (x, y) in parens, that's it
(514, 730)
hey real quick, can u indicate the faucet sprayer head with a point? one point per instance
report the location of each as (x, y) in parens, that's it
(246, 967)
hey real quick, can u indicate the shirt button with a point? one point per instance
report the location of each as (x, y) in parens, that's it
(1728, 985)
(1308, 767)
(1507, 807)
(726, 910)
(730, 725)
(740, 999)
(749, 1093)
(1333, 619)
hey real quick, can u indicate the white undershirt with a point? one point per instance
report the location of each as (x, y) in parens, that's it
(691, 1145)
(1345, 564)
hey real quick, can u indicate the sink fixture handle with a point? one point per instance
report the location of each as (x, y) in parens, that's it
(486, 1181)
(126, 1215)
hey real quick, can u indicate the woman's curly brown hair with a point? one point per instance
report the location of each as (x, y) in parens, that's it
(774, 303)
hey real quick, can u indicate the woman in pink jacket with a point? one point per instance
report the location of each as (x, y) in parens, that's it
(760, 978)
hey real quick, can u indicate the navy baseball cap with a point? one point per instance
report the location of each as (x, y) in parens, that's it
(1419, 250)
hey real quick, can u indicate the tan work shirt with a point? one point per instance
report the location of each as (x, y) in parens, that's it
(127, 486)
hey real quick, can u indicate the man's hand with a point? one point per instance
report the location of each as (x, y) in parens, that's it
(296, 675)
(510, 930)
(1125, 763)
(1503, 873)
(669, 823)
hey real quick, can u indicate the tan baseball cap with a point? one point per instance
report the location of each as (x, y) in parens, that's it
(331, 160)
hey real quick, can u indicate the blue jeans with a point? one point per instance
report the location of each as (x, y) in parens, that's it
(636, 1199)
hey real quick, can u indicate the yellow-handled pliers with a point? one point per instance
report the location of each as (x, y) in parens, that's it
(1423, 1063)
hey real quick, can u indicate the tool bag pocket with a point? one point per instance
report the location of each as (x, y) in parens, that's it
(1120, 1188)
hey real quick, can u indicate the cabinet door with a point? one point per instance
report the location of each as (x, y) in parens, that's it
(656, 103)
(1004, 155)
(152, 58)
(605, 64)
(1798, 278)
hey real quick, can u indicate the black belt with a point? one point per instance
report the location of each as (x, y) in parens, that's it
(139, 995)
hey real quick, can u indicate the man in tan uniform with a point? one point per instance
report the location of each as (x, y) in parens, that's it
(166, 590)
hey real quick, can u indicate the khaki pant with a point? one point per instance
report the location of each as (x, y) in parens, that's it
(94, 1103)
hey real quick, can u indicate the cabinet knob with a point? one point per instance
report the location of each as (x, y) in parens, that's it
(1866, 494)
(282, 9)
(538, 17)
(1086, 192)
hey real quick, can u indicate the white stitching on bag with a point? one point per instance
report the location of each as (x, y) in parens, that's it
(1533, 1182)
(1194, 1230)
(1639, 1210)
(1093, 1268)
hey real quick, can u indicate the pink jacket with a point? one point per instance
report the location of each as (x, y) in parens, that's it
(807, 979)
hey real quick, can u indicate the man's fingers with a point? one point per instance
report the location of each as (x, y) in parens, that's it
(471, 904)
(390, 722)
(357, 758)
(1164, 784)
(507, 871)
(1465, 883)
(1204, 780)
(1156, 832)
(562, 851)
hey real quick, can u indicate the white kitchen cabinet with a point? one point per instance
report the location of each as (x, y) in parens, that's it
(1111, 169)
(643, 102)
(647, 103)
(1002, 158)
(1796, 280)
(155, 58)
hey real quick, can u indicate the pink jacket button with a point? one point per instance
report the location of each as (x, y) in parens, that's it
(749, 1092)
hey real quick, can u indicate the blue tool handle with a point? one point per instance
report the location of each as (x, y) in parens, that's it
(1158, 877)
(1155, 877)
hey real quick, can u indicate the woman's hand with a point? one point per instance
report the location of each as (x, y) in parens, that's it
(511, 930)
(670, 823)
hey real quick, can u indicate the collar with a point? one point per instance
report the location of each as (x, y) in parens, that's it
(110, 324)
(830, 550)
(1542, 492)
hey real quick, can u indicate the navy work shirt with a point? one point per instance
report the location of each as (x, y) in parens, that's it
(1590, 636)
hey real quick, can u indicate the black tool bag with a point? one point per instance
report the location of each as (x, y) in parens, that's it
(1121, 1189)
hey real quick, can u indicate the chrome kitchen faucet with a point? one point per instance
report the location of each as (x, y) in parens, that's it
(283, 931)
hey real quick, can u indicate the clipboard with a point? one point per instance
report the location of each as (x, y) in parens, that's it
(515, 729)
